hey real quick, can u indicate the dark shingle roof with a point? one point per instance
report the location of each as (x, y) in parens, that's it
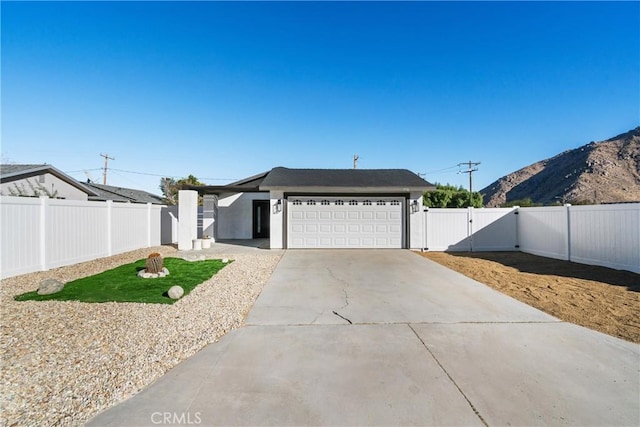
(10, 170)
(121, 194)
(346, 178)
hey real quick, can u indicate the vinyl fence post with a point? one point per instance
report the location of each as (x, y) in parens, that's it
(470, 227)
(44, 207)
(424, 228)
(109, 227)
(516, 210)
(148, 225)
(568, 207)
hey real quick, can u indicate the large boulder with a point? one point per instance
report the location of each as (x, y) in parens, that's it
(50, 286)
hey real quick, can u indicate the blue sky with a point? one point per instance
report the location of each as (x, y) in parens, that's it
(227, 90)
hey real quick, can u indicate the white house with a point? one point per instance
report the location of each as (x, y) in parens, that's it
(312, 208)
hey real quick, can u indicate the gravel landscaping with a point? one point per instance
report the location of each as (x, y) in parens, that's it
(64, 362)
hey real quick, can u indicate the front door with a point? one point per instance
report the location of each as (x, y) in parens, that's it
(261, 219)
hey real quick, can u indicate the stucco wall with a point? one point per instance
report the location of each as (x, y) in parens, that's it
(235, 215)
(48, 181)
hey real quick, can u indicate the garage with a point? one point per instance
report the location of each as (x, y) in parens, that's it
(317, 208)
(345, 222)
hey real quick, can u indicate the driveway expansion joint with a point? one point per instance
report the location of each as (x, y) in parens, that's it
(475, 411)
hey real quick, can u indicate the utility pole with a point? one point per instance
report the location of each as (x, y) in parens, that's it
(106, 163)
(471, 169)
(355, 161)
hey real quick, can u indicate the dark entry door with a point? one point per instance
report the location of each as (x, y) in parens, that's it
(261, 219)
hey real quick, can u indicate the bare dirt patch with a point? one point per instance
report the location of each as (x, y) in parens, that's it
(598, 298)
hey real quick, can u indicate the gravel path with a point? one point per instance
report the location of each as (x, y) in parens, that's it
(64, 362)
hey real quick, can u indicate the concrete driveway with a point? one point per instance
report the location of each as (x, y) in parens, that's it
(386, 337)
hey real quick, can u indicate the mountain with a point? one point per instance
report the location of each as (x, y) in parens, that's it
(599, 172)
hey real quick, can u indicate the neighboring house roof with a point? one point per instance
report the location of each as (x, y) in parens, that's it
(324, 180)
(121, 194)
(14, 172)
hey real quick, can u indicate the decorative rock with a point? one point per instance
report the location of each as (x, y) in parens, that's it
(50, 286)
(225, 260)
(175, 292)
(146, 275)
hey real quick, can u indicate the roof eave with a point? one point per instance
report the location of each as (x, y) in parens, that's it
(221, 189)
(28, 173)
(346, 189)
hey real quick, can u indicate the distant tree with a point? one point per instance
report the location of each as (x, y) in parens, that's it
(170, 188)
(523, 203)
(449, 196)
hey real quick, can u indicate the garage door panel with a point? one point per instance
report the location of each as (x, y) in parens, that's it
(326, 222)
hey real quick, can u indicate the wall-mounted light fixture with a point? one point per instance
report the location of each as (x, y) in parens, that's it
(278, 206)
(414, 206)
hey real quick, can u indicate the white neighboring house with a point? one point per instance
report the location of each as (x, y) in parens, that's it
(41, 180)
(315, 208)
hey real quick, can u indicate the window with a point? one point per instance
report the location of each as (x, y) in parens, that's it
(381, 203)
(311, 202)
(325, 203)
(395, 203)
(339, 202)
(297, 202)
(367, 202)
(353, 203)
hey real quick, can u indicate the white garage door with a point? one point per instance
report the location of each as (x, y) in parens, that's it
(345, 222)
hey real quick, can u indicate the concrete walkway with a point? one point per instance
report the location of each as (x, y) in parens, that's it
(386, 337)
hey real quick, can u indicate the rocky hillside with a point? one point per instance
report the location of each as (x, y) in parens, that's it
(599, 172)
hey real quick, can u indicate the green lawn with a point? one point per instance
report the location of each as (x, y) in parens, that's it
(122, 284)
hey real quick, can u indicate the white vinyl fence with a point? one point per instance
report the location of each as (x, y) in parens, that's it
(606, 235)
(470, 229)
(41, 233)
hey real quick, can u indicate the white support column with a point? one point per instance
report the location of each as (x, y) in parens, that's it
(210, 216)
(187, 219)
(277, 230)
(416, 230)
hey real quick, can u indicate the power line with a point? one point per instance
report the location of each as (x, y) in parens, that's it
(440, 170)
(152, 174)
